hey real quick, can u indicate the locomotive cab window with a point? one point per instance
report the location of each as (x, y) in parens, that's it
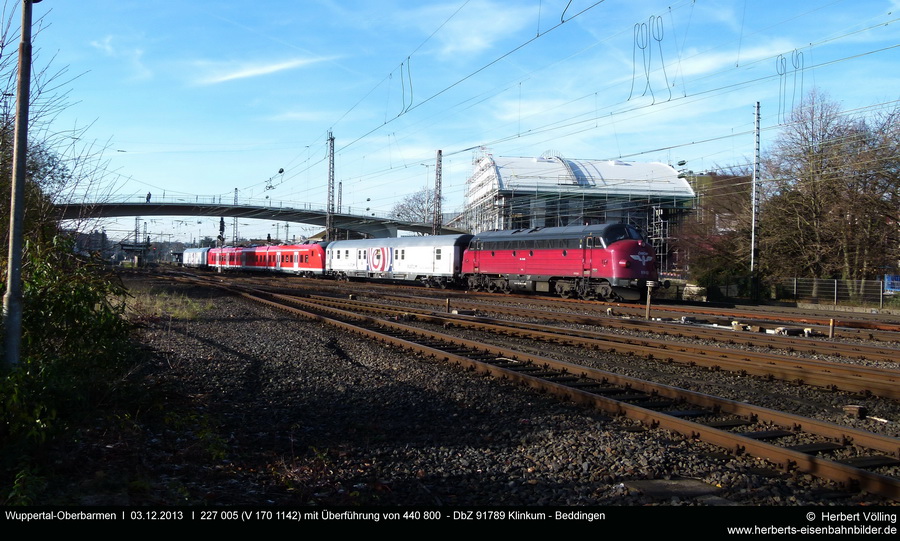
(615, 233)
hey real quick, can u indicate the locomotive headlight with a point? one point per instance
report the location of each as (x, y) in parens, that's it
(624, 263)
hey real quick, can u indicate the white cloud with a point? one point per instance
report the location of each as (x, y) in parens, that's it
(133, 56)
(302, 116)
(476, 28)
(222, 73)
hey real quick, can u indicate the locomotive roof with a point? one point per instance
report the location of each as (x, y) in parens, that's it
(566, 232)
(404, 242)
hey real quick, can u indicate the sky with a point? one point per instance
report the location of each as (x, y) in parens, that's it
(196, 99)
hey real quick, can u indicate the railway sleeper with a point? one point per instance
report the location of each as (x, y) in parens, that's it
(767, 434)
(689, 413)
(818, 447)
(869, 462)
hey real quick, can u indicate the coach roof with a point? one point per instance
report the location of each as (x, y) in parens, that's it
(403, 242)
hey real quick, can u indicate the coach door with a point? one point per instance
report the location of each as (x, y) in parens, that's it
(587, 256)
(475, 254)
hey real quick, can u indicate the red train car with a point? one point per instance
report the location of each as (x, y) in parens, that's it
(302, 259)
(608, 261)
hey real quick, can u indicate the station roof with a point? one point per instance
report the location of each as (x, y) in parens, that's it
(611, 178)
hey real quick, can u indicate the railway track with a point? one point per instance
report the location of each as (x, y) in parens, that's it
(842, 328)
(834, 376)
(725, 335)
(858, 459)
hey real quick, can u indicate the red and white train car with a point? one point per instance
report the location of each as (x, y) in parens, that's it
(609, 261)
(301, 259)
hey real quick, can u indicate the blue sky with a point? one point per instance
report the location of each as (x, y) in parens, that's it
(199, 98)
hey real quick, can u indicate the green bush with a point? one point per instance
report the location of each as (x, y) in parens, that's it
(74, 350)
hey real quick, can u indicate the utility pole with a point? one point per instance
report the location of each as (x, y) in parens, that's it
(234, 228)
(754, 200)
(329, 211)
(12, 299)
(438, 220)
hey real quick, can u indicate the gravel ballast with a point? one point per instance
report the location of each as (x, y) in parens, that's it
(261, 408)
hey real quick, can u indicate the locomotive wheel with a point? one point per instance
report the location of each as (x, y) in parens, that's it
(504, 287)
(606, 292)
(492, 287)
(563, 291)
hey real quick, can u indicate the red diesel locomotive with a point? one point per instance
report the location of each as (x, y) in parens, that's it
(606, 261)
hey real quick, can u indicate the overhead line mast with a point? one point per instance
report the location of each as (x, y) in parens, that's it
(329, 215)
(438, 215)
(754, 203)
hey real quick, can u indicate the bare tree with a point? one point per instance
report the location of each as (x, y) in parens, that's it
(416, 207)
(834, 208)
(61, 164)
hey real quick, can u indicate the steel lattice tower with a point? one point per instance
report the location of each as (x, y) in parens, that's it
(438, 215)
(329, 215)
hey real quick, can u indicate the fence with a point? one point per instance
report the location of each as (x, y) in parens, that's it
(835, 292)
(867, 293)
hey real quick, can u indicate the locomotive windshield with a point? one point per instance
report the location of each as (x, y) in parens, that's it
(615, 233)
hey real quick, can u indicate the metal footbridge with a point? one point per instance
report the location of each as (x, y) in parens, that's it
(375, 224)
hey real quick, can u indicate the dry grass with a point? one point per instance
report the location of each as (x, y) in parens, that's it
(161, 304)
